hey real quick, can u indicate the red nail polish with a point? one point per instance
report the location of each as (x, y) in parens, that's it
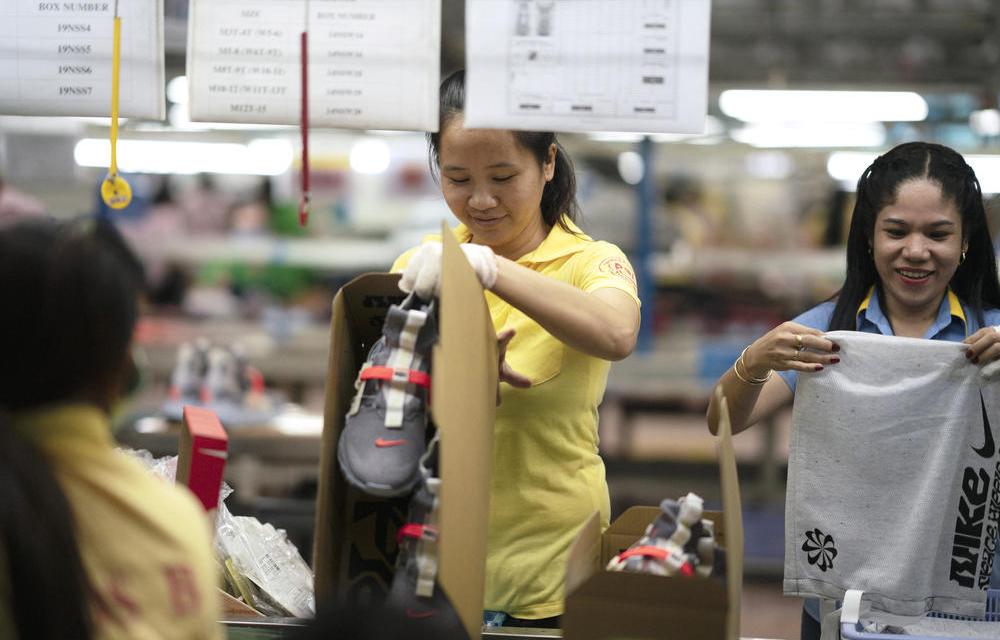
(836, 348)
(968, 353)
(834, 360)
(819, 367)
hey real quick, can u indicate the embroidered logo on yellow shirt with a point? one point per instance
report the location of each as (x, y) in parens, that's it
(618, 267)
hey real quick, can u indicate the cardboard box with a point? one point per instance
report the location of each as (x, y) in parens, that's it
(202, 455)
(355, 543)
(605, 605)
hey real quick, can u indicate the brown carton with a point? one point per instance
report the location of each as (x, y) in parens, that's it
(605, 605)
(355, 546)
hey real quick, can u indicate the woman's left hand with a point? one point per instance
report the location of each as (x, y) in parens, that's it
(984, 346)
(508, 375)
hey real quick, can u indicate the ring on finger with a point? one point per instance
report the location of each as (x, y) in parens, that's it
(798, 342)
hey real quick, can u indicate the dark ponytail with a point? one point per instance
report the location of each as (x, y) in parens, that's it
(48, 587)
(559, 205)
(559, 195)
(69, 294)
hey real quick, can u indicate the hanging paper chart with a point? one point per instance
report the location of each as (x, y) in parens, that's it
(55, 57)
(372, 64)
(587, 65)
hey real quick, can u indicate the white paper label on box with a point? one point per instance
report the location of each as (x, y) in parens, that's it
(373, 64)
(55, 58)
(588, 65)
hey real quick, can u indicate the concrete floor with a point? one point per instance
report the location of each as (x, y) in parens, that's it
(766, 613)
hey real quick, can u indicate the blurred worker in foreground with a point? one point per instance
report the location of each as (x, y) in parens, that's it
(91, 545)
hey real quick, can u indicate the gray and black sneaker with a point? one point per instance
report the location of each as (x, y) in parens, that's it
(222, 382)
(414, 589)
(678, 542)
(385, 432)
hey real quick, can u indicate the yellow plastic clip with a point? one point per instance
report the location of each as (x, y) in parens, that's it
(115, 191)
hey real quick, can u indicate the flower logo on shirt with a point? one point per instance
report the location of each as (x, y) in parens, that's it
(618, 267)
(820, 549)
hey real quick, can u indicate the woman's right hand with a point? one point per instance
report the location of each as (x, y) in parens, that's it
(789, 347)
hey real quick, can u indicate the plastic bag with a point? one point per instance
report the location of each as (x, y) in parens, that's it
(265, 556)
(249, 550)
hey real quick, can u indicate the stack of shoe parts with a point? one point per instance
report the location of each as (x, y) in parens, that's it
(385, 431)
(678, 542)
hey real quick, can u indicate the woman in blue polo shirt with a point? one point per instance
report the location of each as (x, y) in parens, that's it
(920, 263)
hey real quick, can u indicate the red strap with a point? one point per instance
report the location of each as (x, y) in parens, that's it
(418, 378)
(659, 554)
(413, 530)
(647, 552)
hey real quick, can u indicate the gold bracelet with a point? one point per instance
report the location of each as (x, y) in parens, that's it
(748, 379)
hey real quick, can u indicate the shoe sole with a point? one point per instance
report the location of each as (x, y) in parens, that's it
(379, 490)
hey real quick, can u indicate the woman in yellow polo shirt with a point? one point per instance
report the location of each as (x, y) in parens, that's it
(567, 304)
(91, 545)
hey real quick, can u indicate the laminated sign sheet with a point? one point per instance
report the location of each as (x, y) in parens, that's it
(56, 57)
(588, 65)
(372, 64)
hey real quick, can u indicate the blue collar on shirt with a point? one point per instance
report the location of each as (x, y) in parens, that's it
(950, 324)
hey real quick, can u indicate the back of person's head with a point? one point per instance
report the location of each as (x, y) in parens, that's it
(69, 294)
(975, 281)
(559, 195)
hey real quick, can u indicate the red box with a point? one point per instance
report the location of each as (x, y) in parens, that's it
(203, 452)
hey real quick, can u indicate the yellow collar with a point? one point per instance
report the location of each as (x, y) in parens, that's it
(558, 243)
(954, 305)
(63, 421)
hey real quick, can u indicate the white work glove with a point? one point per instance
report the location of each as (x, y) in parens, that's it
(423, 272)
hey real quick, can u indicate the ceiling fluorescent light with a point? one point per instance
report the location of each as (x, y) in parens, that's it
(713, 128)
(822, 106)
(370, 156)
(769, 165)
(177, 90)
(631, 167)
(847, 167)
(615, 136)
(985, 122)
(987, 169)
(262, 157)
(53, 124)
(814, 135)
